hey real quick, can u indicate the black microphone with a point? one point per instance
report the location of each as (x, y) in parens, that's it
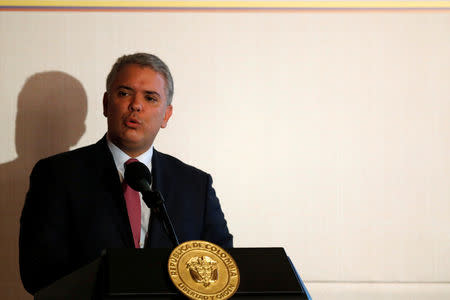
(138, 176)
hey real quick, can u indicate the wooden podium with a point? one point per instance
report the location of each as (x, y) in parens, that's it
(266, 273)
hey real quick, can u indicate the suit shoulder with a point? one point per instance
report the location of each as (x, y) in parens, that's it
(69, 157)
(178, 165)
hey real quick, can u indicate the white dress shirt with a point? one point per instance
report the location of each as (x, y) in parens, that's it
(120, 158)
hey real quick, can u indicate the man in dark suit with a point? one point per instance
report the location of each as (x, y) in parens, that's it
(75, 206)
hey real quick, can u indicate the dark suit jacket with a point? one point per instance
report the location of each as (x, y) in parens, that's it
(75, 208)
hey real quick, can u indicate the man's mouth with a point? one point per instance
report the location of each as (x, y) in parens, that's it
(132, 122)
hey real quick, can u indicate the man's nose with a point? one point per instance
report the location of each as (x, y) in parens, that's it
(136, 104)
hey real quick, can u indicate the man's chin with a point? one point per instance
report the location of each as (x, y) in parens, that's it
(135, 147)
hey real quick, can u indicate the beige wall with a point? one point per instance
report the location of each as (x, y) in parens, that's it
(326, 133)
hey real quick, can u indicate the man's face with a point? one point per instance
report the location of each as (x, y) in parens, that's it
(136, 108)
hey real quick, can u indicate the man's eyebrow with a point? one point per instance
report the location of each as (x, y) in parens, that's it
(146, 92)
(125, 87)
(152, 93)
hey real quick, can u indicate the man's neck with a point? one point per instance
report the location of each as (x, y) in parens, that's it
(120, 156)
(132, 153)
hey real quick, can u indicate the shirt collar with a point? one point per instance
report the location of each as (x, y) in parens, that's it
(121, 157)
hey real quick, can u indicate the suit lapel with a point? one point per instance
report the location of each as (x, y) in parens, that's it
(157, 237)
(156, 171)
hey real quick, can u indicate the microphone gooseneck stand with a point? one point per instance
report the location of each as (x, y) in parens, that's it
(155, 201)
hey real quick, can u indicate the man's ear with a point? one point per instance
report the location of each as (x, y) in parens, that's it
(105, 104)
(167, 116)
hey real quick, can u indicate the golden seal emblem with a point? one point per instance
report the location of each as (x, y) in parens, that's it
(203, 270)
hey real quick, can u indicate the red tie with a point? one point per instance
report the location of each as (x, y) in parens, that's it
(133, 202)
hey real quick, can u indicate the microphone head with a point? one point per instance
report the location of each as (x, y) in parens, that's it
(138, 176)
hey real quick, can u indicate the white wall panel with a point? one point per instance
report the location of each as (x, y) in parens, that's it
(326, 133)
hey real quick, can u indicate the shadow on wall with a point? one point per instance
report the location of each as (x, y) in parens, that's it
(51, 111)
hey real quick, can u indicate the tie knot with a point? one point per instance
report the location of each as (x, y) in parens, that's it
(131, 160)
